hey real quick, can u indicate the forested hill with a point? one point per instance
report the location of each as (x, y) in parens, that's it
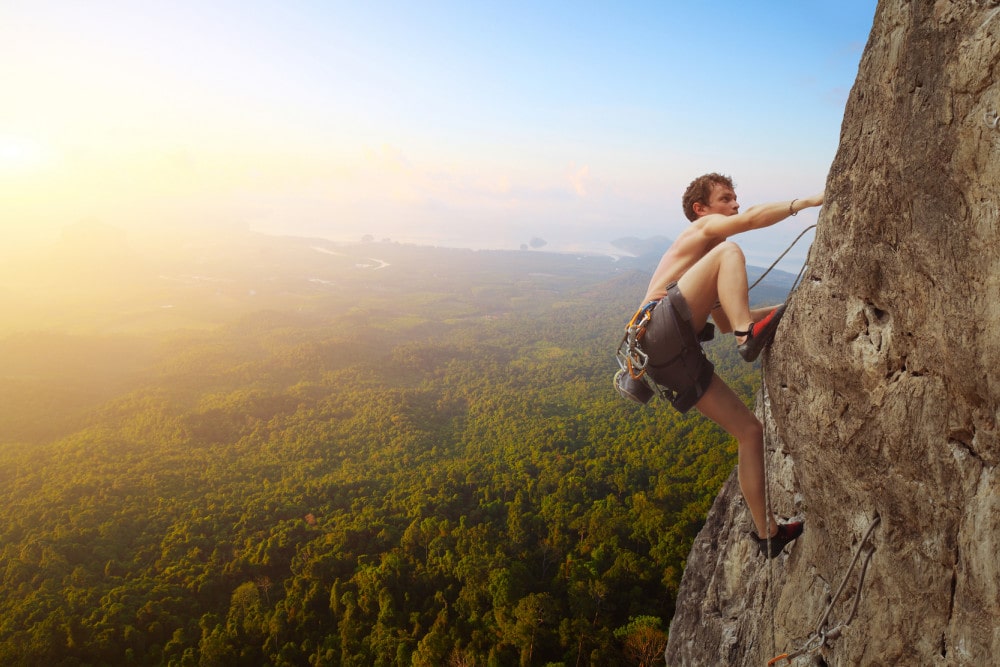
(282, 452)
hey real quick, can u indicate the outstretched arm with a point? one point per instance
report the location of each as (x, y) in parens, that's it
(762, 215)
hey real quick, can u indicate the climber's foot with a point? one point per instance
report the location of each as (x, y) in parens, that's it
(787, 532)
(759, 334)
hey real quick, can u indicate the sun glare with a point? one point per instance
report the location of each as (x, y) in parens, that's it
(20, 153)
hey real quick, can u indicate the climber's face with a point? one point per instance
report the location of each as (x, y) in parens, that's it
(723, 200)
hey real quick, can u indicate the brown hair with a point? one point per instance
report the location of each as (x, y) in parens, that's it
(700, 191)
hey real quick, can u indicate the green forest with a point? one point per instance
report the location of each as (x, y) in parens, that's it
(422, 463)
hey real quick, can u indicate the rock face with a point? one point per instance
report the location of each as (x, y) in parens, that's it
(882, 388)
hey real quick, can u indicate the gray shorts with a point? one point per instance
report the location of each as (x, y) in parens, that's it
(676, 360)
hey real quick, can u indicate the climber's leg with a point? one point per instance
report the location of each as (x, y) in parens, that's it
(721, 275)
(724, 407)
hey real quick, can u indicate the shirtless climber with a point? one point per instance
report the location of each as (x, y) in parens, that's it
(704, 273)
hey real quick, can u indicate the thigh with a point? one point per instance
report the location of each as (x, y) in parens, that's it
(700, 283)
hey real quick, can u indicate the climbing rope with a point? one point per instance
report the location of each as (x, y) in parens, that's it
(821, 635)
(782, 256)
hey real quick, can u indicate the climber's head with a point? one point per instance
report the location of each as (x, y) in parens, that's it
(710, 193)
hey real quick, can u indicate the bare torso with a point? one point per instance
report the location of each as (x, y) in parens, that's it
(692, 244)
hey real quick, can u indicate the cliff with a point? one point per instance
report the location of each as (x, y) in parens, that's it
(881, 394)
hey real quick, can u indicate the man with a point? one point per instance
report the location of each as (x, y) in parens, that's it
(702, 274)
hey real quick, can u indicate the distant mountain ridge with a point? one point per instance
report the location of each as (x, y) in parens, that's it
(654, 245)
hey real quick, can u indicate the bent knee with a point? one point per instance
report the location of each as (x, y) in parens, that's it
(730, 249)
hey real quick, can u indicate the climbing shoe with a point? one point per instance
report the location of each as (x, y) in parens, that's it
(787, 532)
(759, 334)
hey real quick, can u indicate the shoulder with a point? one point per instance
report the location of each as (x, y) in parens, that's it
(689, 246)
(697, 235)
(713, 226)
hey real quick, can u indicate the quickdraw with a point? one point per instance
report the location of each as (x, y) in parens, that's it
(631, 381)
(630, 355)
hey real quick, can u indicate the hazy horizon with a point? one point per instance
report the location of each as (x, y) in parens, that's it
(450, 123)
(152, 239)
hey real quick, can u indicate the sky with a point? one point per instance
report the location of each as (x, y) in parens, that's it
(475, 124)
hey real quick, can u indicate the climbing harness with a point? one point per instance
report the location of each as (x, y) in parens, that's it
(674, 365)
(823, 634)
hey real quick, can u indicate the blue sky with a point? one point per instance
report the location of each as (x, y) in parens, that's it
(463, 123)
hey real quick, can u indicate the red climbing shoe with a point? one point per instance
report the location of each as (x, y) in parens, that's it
(787, 532)
(759, 334)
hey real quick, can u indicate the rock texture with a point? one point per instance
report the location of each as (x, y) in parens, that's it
(882, 390)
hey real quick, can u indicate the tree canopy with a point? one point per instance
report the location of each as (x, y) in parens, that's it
(416, 480)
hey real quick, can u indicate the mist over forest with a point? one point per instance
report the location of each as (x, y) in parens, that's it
(238, 449)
